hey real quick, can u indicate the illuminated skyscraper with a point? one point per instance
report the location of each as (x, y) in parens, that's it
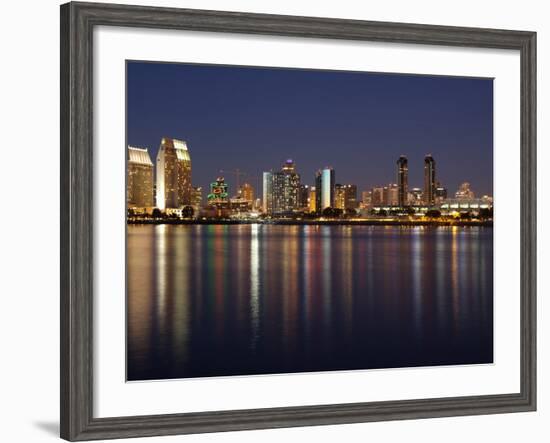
(196, 199)
(345, 196)
(285, 189)
(366, 199)
(339, 196)
(139, 186)
(402, 181)
(440, 194)
(278, 202)
(312, 199)
(351, 197)
(377, 196)
(247, 192)
(429, 180)
(390, 195)
(304, 197)
(173, 174)
(324, 185)
(267, 203)
(318, 185)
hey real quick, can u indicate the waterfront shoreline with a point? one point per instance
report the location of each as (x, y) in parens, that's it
(373, 222)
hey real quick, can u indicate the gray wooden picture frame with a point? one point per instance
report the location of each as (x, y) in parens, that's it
(77, 24)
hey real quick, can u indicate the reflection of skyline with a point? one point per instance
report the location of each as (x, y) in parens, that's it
(214, 300)
(346, 119)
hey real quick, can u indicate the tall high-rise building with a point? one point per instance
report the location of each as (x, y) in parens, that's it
(339, 196)
(196, 199)
(402, 181)
(318, 185)
(390, 195)
(285, 189)
(440, 194)
(246, 192)
(366, 199)
(351, 197)
(429, 180)
(267, 202)
(377, 196)
(173, 174)
(139, 186)
(312, 199)
(304, 197)
(278, 200)
(345, 196)
(324, 185)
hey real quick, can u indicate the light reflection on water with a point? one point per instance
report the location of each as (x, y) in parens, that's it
(208, 300)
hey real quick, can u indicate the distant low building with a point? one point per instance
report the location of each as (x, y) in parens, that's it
(416, 196)
(218, 192)
(246, 192)
(464, 192)
(218, 199)
(487, 199)
(257, 204)
(473, 205)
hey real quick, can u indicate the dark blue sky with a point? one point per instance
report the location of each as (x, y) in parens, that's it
(359, 123)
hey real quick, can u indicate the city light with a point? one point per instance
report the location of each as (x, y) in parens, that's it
(286, 197)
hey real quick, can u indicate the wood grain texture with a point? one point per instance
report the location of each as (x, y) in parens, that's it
(77, 23)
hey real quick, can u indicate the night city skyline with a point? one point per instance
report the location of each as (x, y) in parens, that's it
(254, 119)
(361, 236)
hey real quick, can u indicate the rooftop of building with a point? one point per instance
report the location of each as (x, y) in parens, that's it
(139, 156)
(180, 146)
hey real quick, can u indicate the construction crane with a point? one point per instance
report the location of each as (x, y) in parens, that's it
(237, 173)
(243, 175)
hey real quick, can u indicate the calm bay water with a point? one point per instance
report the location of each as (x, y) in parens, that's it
(211, 300)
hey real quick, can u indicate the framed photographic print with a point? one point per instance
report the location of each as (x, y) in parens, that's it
(273, 221)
